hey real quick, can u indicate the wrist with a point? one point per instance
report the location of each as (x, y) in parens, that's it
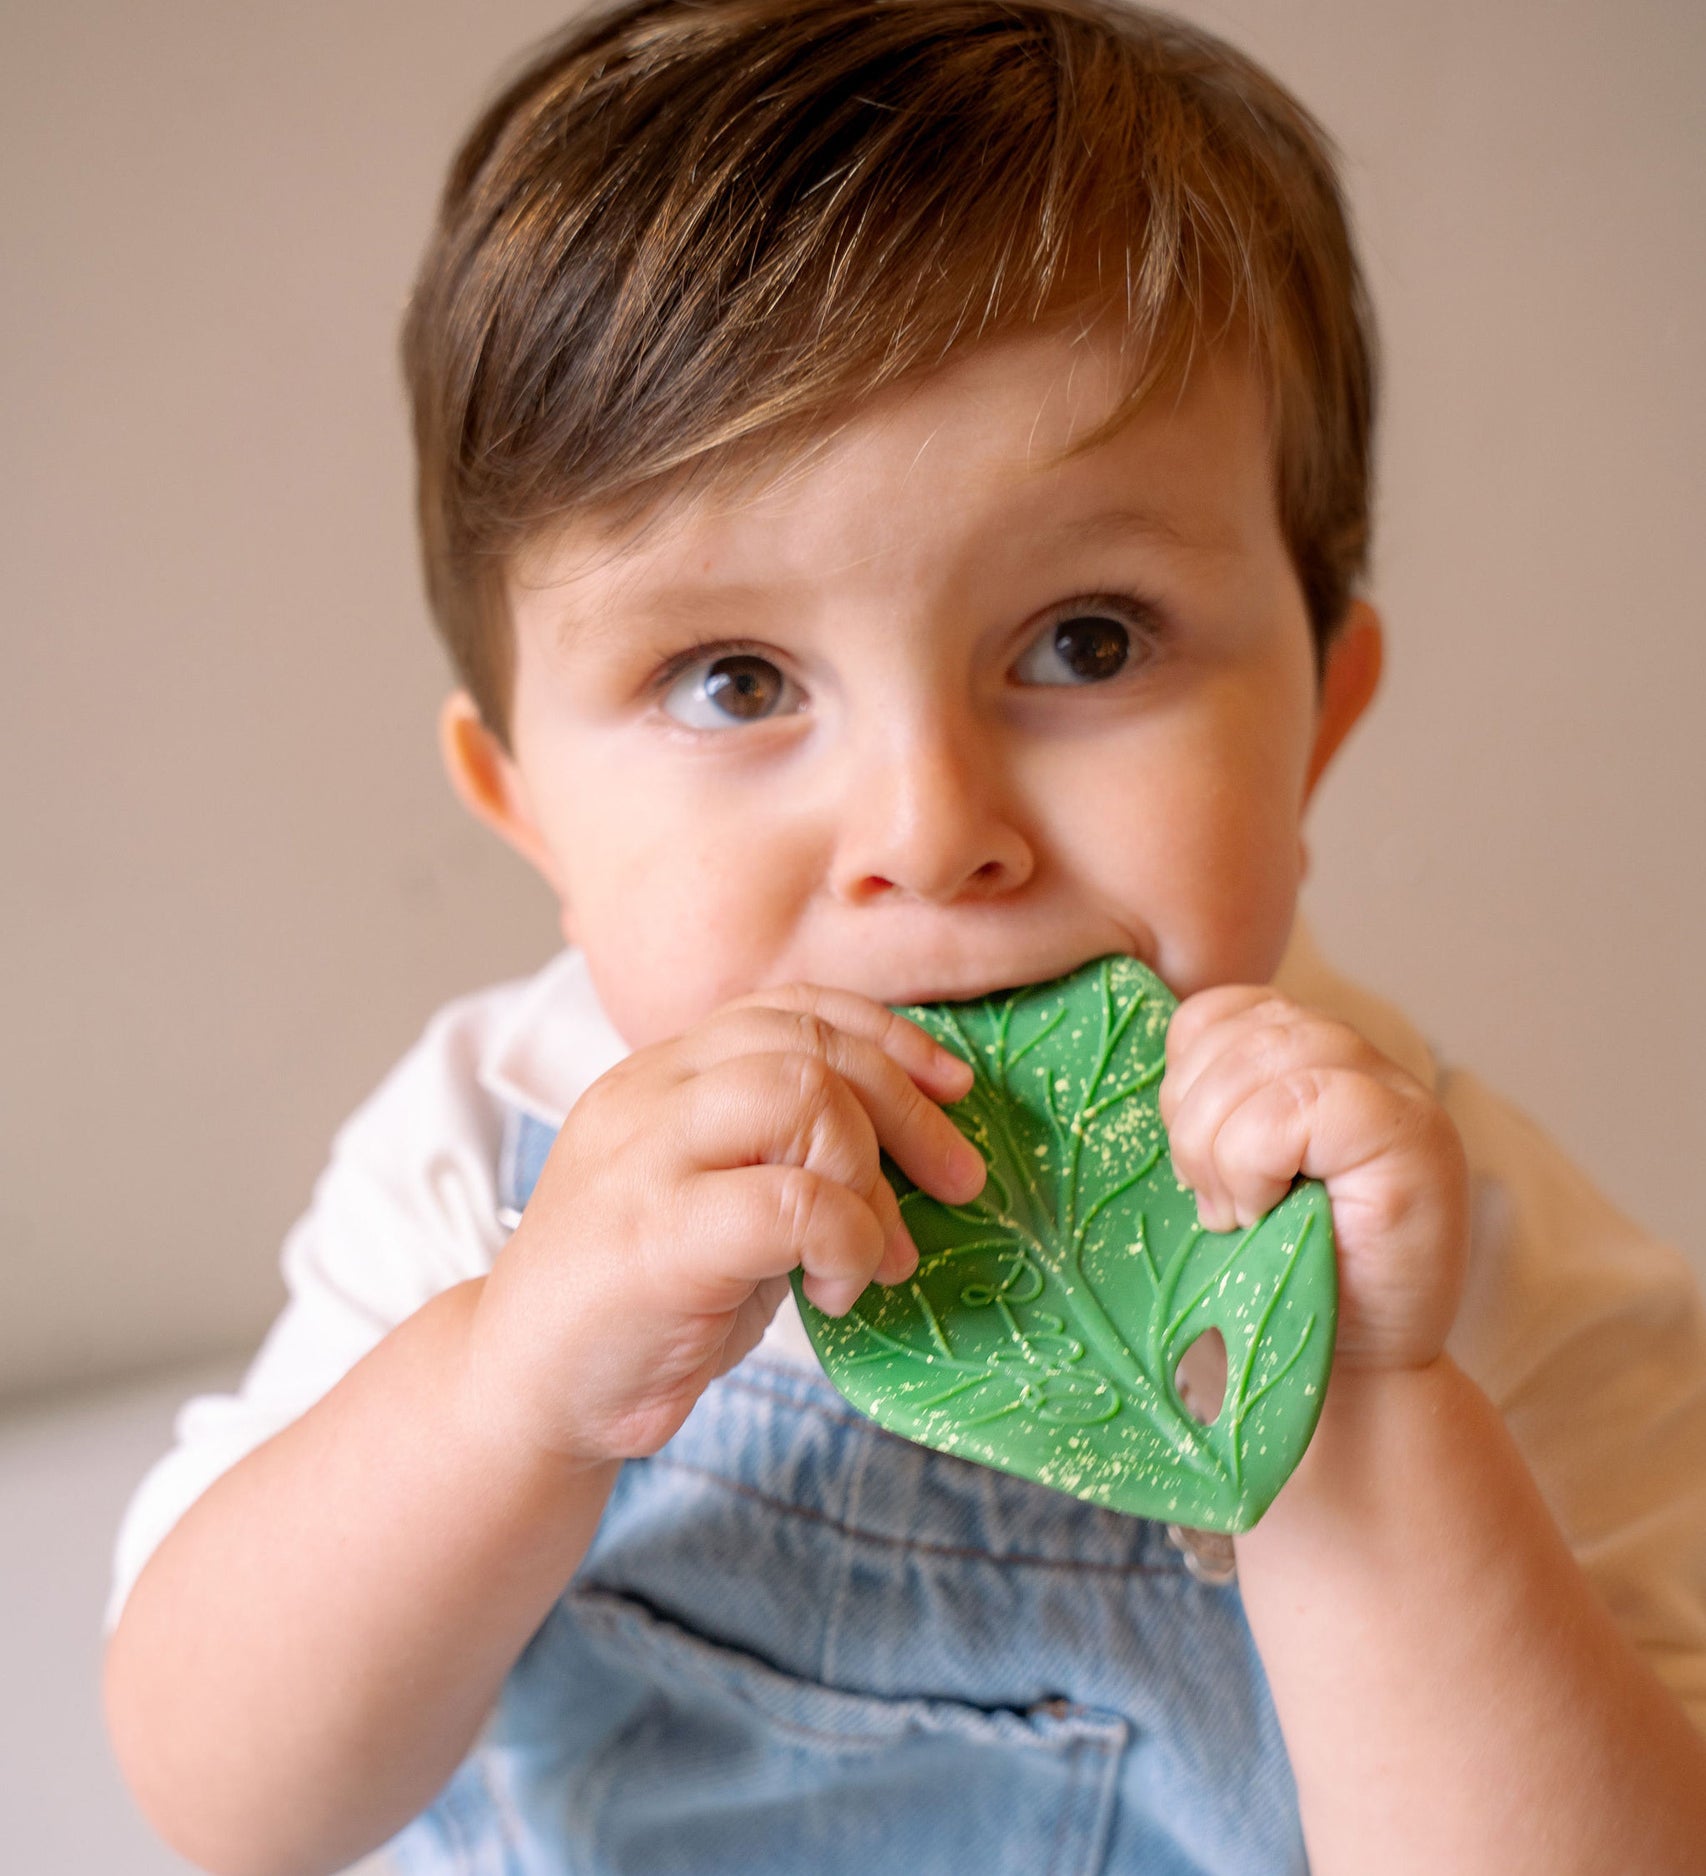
(1380, 1431)
(490, 1407)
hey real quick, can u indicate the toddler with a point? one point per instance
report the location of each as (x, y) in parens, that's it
(894, 482)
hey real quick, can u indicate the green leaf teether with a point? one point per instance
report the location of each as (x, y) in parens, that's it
(1043, 1329)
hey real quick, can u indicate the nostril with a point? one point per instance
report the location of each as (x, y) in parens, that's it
(991, 876)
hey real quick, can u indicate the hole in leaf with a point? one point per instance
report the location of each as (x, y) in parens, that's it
(1201, 1376)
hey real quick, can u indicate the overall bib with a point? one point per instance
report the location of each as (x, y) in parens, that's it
(801, 1646)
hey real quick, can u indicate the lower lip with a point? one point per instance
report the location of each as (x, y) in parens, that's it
(1009, 988)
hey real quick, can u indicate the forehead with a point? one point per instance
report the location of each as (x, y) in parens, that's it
(1000, 446)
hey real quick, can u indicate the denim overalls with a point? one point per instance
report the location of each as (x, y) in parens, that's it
(800, 1646)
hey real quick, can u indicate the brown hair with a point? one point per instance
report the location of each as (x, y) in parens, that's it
(692, 229)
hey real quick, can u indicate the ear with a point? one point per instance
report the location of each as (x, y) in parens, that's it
(489, 785)
(1348, 683)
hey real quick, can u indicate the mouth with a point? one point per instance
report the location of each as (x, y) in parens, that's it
(976, 990)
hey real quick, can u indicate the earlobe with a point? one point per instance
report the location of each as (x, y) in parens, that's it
(488, 784)
(1348, 683)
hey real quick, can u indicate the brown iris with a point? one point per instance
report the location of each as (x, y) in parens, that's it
(743, 686)
(1092, 647)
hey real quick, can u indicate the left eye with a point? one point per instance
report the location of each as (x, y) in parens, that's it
(716, 693)
(1083, 648)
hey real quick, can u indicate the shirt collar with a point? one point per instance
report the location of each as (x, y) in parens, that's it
(556, 1040)
(554, 1043)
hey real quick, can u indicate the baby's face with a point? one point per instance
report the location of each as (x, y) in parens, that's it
(939, 713)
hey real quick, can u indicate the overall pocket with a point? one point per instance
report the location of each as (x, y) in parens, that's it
(714, 1763)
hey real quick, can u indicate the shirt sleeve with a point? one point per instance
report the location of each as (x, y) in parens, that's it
(405, 1208)
(1589, 1335)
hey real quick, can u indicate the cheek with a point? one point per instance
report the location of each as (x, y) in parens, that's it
(1241, 867)
(1230, 923)
(1198, 841)
(1220, 845)
(681, 898)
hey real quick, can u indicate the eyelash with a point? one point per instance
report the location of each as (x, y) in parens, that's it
(708, 653)
(1140, 617)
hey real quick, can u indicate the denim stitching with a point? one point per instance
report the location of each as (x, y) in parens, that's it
(598, 1772)
(731, 1676)
(1066, 1804)
(962, 1552)
(861, 1459)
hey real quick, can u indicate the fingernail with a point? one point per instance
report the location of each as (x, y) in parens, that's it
(967, 1167)
(954, 1068)
(835, 1299)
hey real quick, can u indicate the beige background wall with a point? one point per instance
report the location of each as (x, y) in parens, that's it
(234, 885)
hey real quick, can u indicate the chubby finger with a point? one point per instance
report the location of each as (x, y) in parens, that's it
(788, 1109)
(921, 1139)
(1236, 1058)
(937, 1070)
(750, 1223)
(1206, 1010)
(1325, 1121)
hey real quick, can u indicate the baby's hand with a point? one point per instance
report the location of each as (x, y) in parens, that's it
(1258, 1090)
(684, 1187)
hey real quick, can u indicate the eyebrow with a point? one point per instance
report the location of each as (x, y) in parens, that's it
(661, 606)
(662, 611)
(1117, 524)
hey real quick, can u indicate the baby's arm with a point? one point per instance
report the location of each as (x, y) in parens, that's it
(1453, 1693)
(313, 1648)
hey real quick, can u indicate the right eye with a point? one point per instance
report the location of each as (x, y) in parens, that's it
(719, 692)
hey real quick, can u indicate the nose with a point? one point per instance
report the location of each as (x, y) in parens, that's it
(924, 813)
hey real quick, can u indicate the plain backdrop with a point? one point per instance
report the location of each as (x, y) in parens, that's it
(235, 884)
